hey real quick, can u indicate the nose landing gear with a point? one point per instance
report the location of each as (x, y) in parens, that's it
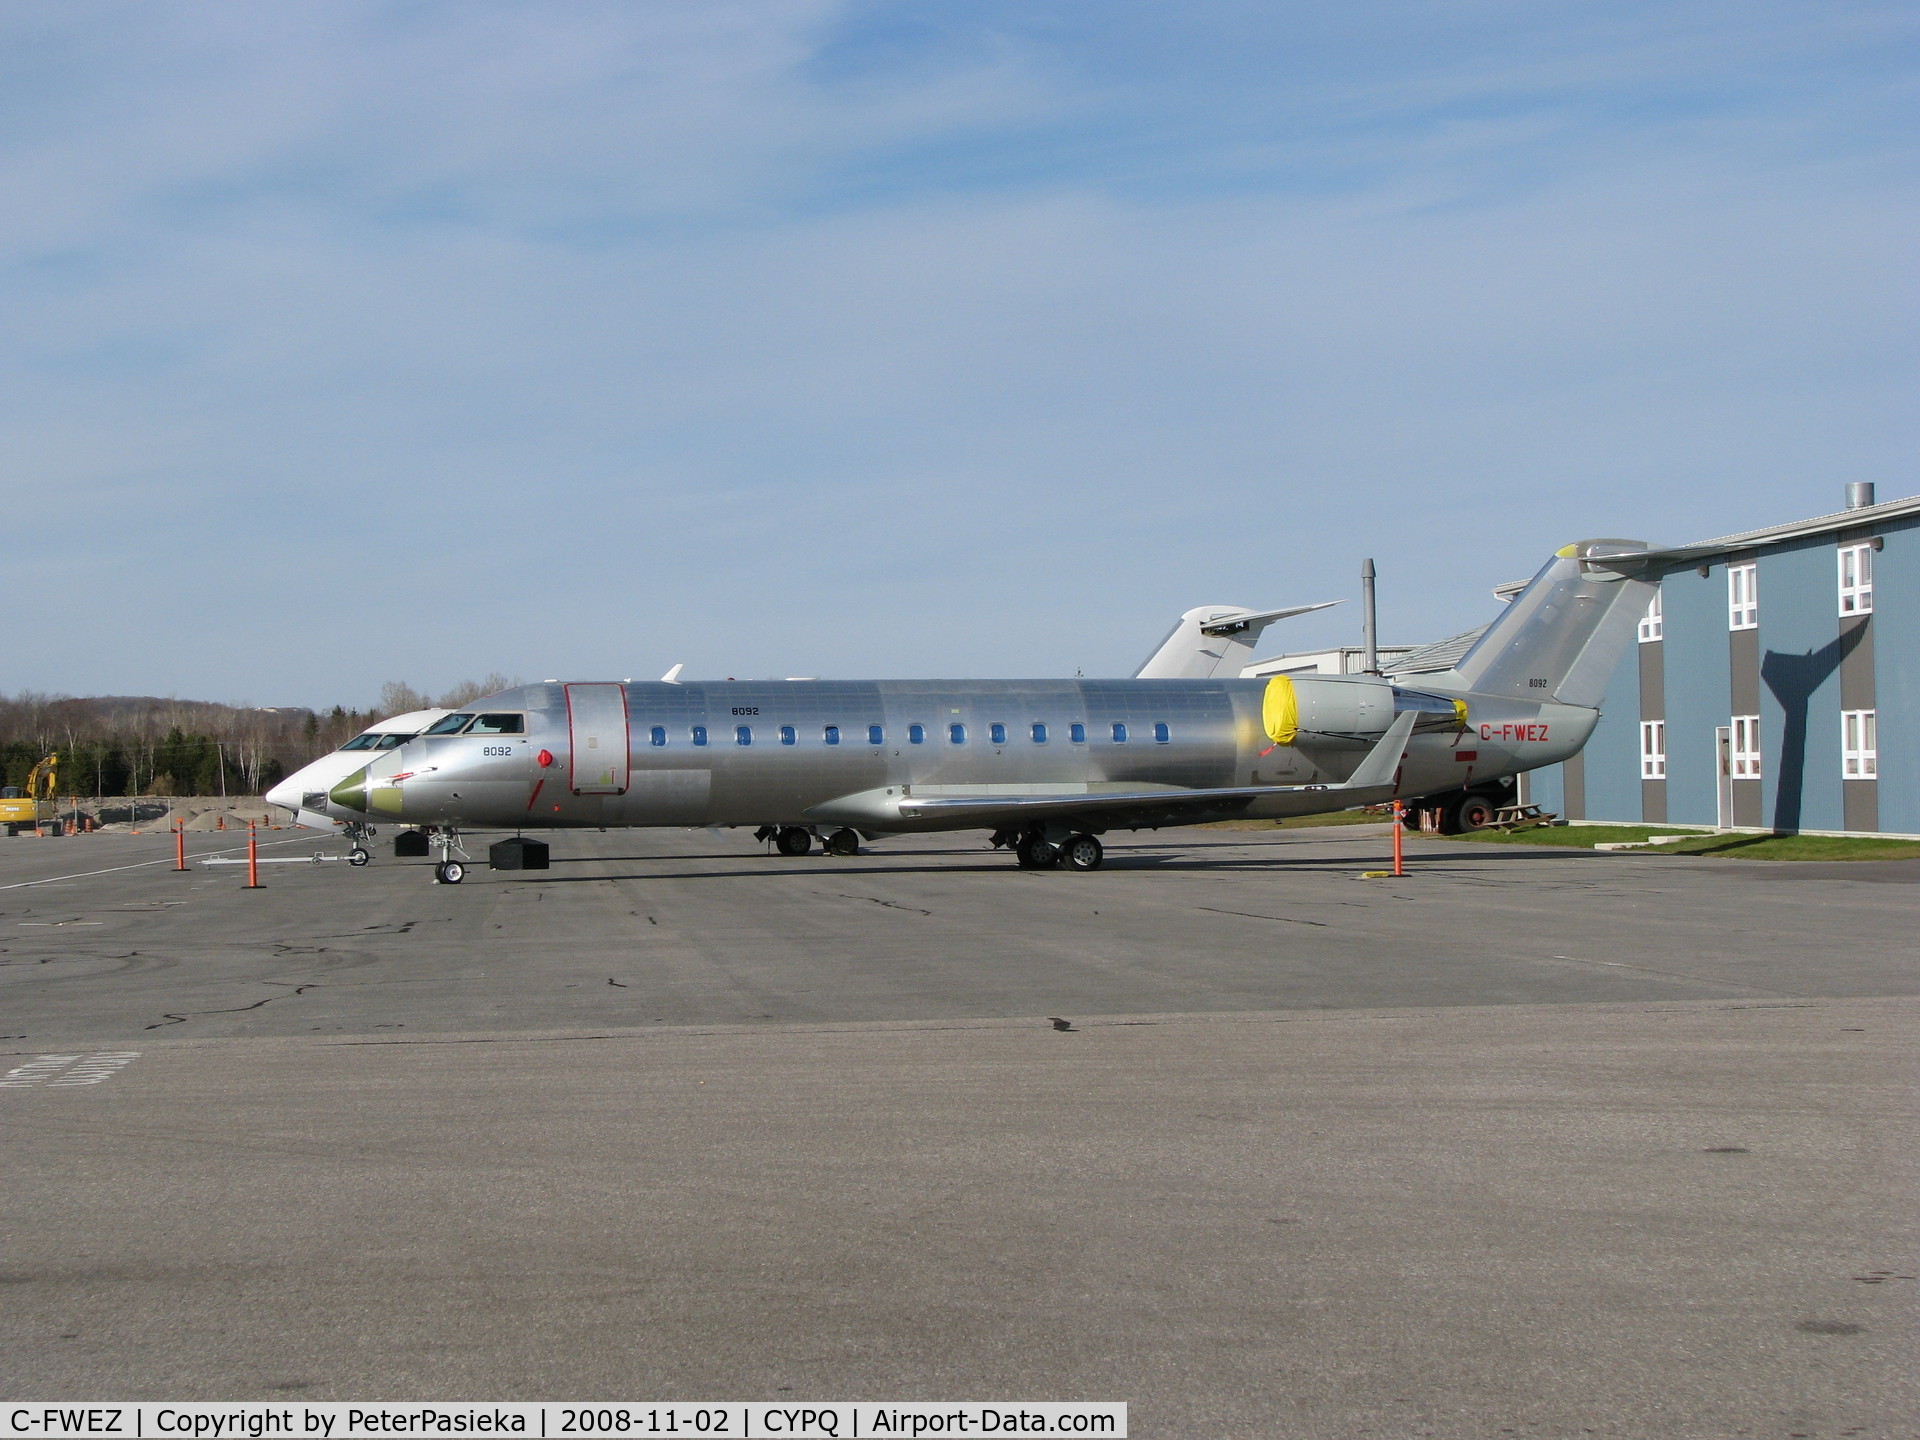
(358, 833)
(449, 871)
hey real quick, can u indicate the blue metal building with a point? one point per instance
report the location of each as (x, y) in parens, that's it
(1775, 686)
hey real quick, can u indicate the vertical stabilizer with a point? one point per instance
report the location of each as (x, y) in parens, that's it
(1214, 640)
(1561, 638)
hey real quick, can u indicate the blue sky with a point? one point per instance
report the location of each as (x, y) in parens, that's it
(348, 342)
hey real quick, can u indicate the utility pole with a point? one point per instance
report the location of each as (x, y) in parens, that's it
(1370, 635)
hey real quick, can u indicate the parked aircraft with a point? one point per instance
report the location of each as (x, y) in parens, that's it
(1212, 639)
(1046, 766)
(305, 791)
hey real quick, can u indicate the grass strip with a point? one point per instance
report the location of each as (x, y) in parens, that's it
(1736, 847)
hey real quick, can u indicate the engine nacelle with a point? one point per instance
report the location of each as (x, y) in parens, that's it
(1347, 712)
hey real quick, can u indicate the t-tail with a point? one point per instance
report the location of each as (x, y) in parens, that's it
(1562, 637)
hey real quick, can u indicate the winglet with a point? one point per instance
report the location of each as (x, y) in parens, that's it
(1383, 761)
(672, 677)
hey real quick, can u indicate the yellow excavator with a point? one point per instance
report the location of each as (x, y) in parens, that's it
(23, 808)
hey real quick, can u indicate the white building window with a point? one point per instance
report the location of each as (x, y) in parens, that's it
(1652, 625)
(1743, 597)
(1653, 749)
(1859, 745)
(1856, 579)
(1746, 747)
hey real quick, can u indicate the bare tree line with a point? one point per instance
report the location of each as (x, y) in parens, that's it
(134, 745)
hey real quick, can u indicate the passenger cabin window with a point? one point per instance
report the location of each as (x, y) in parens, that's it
(659, 734)
(1077, 733)
(743, 734)
(831, 735)
(876, 735)
(788, 735)
(957, 734)
(1119, 732)
(916, 734)
(499, 725)
(1161, 734)
(997, 733)
(1039, 732)
(449, 725)
(699, 734)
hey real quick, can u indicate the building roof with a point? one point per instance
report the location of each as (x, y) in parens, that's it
(1441, 655)
(1819, 525)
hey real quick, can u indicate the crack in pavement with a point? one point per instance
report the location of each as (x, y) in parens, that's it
(1288, 919)
(871, 900)
(172, 1017)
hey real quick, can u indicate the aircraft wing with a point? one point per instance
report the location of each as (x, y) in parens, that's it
(1370, 783)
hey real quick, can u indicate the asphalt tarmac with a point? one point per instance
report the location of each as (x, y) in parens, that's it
(1531, 1142)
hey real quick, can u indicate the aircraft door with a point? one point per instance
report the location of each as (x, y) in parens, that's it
(597, 739)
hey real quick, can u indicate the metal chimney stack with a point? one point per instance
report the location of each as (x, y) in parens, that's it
(1369, 635)
(1859, 494)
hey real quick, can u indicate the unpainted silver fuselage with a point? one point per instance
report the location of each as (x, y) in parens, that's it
(767, 756)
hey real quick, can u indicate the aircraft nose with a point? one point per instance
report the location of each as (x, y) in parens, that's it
(352, 791)
(285, 794)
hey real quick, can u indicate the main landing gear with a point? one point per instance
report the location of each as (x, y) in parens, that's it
(1035, 852)
(796, 840)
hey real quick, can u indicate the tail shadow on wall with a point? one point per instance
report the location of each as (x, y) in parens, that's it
(1793, 679)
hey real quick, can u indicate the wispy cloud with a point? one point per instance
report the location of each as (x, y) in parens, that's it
(340, 342)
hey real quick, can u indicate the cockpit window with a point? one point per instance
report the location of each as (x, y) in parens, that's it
(449, 725)
(378, 740)
(499, 725)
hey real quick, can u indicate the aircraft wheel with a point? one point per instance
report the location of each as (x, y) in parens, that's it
(793, 841)
(843, 842)
(1082, 852)
(1037, 854)
(358, 856)
(1473, 812)
(451, 873)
